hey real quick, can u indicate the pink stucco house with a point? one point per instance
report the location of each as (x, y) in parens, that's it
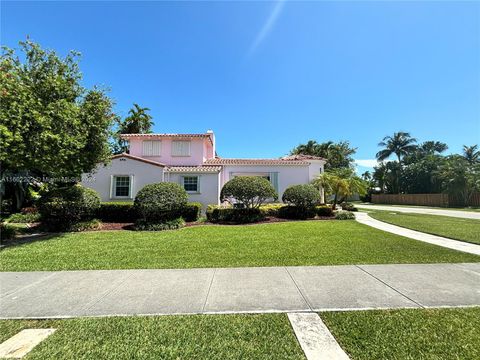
(191, 160)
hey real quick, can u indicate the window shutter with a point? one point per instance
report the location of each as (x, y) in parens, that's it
(274, 180)
(131, 186)
(111, 186)
(180, 148)
(147, 148)
(156, 148)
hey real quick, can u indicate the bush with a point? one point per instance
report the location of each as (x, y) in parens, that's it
(7, 232)
(348, 207)
(324, 211)
(228, 215)
(251, 191)
(160, 202)
(25, 218)
(62, 207)
(344, 215)
(191, 212)
(87, 225)
(270, 209)
(304, 195)
(117, 212)
(142, 225)
(296, 212)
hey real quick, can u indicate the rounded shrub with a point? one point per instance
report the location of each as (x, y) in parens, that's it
(324, 211)
(344, 215)
(62, 207)
(250, 191)
(160, 202)
(304, 195)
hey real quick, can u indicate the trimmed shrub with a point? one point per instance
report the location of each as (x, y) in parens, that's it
(7, 232)
(160, 202)
(250, 191)
(62, 207)
(229, 215)
(24, 218)
(344, 215)
(348, 207)
(324, 211)
(117, 212)
(296, 212)
(271, 209)
(304, 195)
(142, 225)
(191, 212)
(87, 225)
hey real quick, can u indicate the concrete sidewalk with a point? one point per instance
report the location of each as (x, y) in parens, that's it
(365, 219)
(423, 210)
(231, 290)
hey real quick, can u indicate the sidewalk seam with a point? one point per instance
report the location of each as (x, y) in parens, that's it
(30, 285)
(391, 287)
(209, 288)
(299, 291)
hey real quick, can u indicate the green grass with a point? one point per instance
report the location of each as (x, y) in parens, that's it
(290, 243)
(455, 228)
(471, 209)
(267, 336)
(408, 334)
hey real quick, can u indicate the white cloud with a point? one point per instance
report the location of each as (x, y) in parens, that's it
(367, 163)
(268, 26)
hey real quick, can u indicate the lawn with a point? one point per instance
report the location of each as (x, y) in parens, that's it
(290, 243)
(455, 228)
(267, 336)
(471, 209)
(407, 334)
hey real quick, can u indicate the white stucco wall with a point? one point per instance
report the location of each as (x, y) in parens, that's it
(209, 187)
(143, 174)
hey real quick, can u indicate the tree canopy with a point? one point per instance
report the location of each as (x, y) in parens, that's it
(338, 155)
(50, 125)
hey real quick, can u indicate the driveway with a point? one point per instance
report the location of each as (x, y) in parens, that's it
(237, 290)
(423, 210)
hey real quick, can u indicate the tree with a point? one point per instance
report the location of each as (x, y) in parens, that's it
(460, 178)
(338, 155)
(51, 126)
(471, 154)
(386, 176)
(139, 121)
(341, 183)
(432, 147)
(400, 144)
(250, 191)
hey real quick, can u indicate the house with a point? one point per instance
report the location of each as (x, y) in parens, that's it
(191, 160)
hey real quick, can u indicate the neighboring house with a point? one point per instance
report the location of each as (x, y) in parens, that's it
(190, 160)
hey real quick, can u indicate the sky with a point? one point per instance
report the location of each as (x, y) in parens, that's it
(267, 76)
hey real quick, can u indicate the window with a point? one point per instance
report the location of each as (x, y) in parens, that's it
(121, 186)
(190, 184)
(152, 148)
(180, 148)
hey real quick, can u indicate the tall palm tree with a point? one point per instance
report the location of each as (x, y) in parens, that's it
(400, 144)
(310, 148)
(432, 147)
(471, 153)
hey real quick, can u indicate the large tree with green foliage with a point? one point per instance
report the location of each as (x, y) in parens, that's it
(338, 155)
(50, 124)
(138, 121)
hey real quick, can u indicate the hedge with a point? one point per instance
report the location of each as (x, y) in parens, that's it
(344, 215)
(296, 212)
(218, 214)
(126, 212)
(142, 225)
(324, 211)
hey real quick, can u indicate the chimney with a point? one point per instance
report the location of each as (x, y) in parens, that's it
(212, 136)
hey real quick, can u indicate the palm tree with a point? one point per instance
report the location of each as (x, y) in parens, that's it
(138, 122)
(400, 144)
(471, 154)
(432, 147)
(310, 148)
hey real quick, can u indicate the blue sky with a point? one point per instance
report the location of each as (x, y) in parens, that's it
(266, 76)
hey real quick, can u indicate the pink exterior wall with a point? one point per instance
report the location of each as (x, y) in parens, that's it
(198, 151)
